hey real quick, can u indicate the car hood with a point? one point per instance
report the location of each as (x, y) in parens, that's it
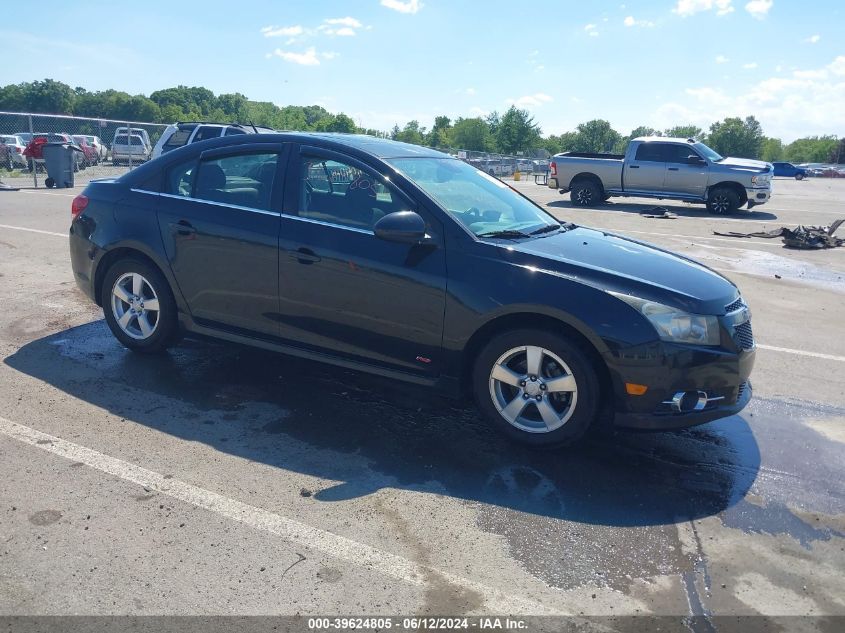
(619, 264)
(759, 165)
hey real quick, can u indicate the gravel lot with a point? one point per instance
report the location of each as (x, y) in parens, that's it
(226, 480)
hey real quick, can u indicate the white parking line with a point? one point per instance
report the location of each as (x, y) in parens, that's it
(50, 193)
(359, 554)
(23, 228)
(801, 352)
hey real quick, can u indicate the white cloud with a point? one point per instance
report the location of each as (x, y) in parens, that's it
(686, 8)
(530, 101)
(813, 39)
(329, 55)
(807, 103)
(469, 91)
(630, 21)
(282, 31)
(307, 58)
(411, 6)
(759, 8)
(347, 21)
(721, 59)
(750, 66)
(591, 30)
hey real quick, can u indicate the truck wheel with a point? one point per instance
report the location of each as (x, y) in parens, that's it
(585, 193)
(722, 200)
(536, 387)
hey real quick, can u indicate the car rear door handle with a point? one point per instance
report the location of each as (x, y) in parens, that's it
(305, 255)
(673, 169)
(633, 167)
(183, 227)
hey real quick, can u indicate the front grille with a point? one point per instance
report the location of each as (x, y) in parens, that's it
(736, 305)
(743, 336)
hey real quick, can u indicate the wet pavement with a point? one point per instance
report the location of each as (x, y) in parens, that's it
(742, 516)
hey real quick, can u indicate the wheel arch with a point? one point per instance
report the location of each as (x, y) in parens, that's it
(115, 254)
(587, 175)
(733, 186)
(591, 345)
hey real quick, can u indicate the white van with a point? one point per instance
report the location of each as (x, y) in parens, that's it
(135, 131)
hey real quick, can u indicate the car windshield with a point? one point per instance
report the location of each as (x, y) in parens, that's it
(482, 203)
(708, 153)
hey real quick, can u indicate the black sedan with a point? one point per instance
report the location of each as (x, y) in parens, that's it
(402, 261)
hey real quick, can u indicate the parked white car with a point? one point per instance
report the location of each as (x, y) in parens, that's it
(130, 149)
(14, 151)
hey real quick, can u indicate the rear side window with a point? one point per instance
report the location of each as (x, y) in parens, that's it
(206, 132)
(231, 131)
(178, 139)
(651, 152)
(244, 180)
(180, 178)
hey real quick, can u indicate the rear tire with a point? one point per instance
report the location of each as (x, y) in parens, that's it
(139, 306)
(722, 200)
(536, 387)
(586, 193)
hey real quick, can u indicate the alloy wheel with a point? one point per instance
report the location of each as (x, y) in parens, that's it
(721, 204)
(533, 389)
(135, 306)
(585, 196)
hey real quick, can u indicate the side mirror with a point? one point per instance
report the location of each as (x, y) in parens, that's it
(405, 227)
(692, 159)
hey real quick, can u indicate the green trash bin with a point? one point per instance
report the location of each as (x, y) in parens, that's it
(58, 161)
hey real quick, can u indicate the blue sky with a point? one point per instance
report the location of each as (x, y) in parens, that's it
(658, 63)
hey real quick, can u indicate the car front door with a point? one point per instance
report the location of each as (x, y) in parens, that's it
(686, 172)
(219, 220)
(647, 171)
(346, 291)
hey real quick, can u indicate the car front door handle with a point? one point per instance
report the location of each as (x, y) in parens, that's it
(305, 256)
(634, 167)
(183, 227)
(673, 169)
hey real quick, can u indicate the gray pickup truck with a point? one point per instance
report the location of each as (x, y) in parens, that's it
(661, 167)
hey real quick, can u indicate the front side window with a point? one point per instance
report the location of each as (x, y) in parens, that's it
(340, 193)
(245, 180)
(679, 154)
(478, 201)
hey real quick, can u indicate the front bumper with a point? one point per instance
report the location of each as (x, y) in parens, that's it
(721, 375)
(758, 195)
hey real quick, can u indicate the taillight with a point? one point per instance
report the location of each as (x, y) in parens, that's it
(553, 169)
(78, 205)
(18, 150)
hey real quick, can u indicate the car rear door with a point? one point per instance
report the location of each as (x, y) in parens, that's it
(346, 291)
(647, 171)
(219, 220)
(684, 178)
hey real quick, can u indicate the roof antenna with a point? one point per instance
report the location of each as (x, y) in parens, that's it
(254, 129)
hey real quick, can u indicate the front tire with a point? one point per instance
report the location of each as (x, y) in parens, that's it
(536, 387)
(722, 200)
(586, 193)
(799, 176)
(139, 306)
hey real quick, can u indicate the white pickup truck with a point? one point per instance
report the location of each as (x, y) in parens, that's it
(660, 167)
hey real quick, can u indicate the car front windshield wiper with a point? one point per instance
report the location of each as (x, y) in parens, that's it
(506, 233)
(546, 229)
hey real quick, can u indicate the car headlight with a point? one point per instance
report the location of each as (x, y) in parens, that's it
(676, 325)
(761, 180)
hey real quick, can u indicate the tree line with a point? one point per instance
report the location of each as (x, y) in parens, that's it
(512, 132)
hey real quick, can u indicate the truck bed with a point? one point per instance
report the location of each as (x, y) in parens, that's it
(591, 155)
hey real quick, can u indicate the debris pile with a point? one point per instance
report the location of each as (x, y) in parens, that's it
(804, 237)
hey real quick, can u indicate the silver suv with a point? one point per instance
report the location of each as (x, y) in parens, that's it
(185, 133)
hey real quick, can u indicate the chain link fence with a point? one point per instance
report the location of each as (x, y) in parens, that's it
(95, 137)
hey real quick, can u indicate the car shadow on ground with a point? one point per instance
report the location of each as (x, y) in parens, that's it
(680, 209)
(275, 409)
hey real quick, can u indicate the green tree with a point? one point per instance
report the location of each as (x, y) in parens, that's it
(412, 133)
(812, 149)
(336, 123)
(516, 131)
(472, 134)
(439, 134)
(48, 96)
(685, 131)
(771, 150)
(233, 106)
(837, 155)
(595, 136)
(737, 137)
